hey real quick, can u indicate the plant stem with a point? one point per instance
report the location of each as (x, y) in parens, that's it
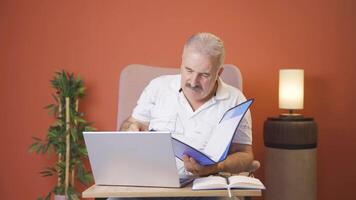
(59, 155)
(67, 145)
(75, 122)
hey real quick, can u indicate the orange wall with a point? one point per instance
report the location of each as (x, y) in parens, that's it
(98, 38)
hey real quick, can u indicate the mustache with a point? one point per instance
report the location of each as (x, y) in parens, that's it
(195, 88)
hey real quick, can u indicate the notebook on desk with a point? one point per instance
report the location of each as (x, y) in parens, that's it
(133, 159)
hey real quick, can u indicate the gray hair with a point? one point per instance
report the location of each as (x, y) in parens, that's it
(207, 44)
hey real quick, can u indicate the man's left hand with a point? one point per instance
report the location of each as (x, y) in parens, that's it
(196, 169)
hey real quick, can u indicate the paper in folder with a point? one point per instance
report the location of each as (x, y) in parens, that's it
(218, 145)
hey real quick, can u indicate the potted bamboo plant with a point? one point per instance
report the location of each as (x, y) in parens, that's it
(64, 138)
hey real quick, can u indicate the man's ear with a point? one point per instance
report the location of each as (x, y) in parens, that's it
(220, 71)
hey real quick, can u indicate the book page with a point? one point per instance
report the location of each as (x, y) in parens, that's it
(180, 149)
(189, 141)
(221, 138)
(245, 182)
(224, 132)
(210, 182)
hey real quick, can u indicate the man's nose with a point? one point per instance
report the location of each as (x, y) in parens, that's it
(194, 80)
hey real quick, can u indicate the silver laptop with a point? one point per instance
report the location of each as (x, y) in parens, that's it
(133, 159)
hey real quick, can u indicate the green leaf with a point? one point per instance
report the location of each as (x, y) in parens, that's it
(45, 148)
(78, 78)
(80, 120)
(83, 151)
(74, 134)
(39, 148)
(48, 197)
(49, 106)
(55, 97)
(81, 90)
(46, 173)
(89, 129)
(33, 147)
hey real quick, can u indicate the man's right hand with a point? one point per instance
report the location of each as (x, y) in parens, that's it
(133, 127)
(131, 124)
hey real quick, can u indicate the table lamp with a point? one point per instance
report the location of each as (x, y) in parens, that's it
(290, 140)
(291, 90)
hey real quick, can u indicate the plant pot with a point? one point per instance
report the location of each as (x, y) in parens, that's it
(60, 197)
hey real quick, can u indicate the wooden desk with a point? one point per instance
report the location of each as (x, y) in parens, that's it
(98, 191)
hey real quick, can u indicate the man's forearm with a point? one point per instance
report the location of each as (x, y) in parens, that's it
(236, 162)
(239, 160)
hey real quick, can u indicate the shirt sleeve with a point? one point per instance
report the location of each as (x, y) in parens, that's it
(142, 111)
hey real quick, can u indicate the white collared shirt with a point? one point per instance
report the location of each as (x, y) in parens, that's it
(165, 108)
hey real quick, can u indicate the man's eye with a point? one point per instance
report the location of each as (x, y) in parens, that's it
(205, 75)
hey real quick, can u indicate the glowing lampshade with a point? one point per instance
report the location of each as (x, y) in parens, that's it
(291, 89)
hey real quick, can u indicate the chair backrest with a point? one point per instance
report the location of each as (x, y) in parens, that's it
(135, 77)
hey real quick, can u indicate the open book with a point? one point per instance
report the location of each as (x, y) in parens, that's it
(218, 146)
(219, 182)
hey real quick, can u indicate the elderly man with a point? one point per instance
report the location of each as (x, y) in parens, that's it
(192, 103)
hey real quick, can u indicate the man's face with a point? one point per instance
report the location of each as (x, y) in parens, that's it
(199, 76)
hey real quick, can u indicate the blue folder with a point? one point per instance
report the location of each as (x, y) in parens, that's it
(180, 148)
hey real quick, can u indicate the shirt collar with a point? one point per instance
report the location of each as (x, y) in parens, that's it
(222, 91)
(175, 84)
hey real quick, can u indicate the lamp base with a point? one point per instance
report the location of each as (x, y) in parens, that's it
(291, 116)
